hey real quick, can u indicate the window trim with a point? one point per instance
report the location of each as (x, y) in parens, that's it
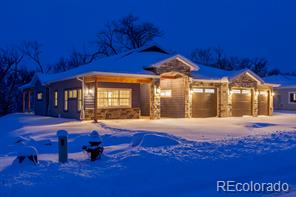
(116, 107)
(55, 105)
(39, 92)
(289, 101)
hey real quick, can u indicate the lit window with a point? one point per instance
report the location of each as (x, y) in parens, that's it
(197, 90)
(235, 91)
(210, 91)
(72, 93)
(55, 94)
(79, 99)
(110, 98)
(292, 97)
(66, 100)
(39, 96)
(165, 93)
(246, 91)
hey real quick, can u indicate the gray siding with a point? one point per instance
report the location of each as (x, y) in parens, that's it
(145, 99)
(41, 106)
(72, 103)
(281, 99)
(173, 107)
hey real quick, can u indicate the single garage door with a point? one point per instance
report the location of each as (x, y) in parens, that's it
(241, 102)
(204, 102)
(263, 101)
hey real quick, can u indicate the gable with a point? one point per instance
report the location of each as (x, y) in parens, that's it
(174, 64)
(244, 80)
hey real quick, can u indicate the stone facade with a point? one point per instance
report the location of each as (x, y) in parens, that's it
(187, 97)
(116, 113)
(172, 66)
(155, 99)
(244, 81)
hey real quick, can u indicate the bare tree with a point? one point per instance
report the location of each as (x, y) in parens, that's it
(32, 49)
(202, 56)
(125, 34)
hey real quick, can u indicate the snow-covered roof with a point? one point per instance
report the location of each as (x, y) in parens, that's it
(283, 80)
(136, 63)
(210, 73)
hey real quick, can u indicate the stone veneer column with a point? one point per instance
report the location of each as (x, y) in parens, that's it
(255, 102)
(155, 99)
(225, 101)
(187, 97)
(270, 102)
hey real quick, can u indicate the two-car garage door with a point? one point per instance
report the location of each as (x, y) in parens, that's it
(204, 102)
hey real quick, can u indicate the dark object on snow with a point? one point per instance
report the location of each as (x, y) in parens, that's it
(95, 147)
(28, 153)
(63, 145)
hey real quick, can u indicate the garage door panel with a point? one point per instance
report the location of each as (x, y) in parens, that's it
(241, 104)
(263, 104)
(204, 104)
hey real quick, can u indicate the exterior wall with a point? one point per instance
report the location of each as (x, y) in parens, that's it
(281, 99)
(72, 103)
(41, 106)
(145, 99)
(113, 113)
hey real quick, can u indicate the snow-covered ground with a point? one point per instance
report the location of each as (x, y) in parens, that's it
(168, 157)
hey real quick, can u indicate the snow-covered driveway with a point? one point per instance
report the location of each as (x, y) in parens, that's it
(172, 157)
(212, 128)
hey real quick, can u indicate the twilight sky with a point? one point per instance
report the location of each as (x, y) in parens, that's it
(246, 28)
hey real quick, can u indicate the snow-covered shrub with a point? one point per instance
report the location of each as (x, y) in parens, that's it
(27, 155)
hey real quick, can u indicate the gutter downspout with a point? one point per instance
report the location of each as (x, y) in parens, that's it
(82, 114)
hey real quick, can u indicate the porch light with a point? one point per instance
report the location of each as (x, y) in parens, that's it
(157, 90)
(273, 94)
(257, 93)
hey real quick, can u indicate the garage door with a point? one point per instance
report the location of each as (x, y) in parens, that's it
(241, 102)
(263, 103)
(204, 102)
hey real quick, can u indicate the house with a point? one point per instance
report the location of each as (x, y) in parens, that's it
(148, 81)
(285, 94)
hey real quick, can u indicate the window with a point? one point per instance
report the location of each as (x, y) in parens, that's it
(79, 99)
(39, 96)
(197, 90)
(55, 102)
(292, 97)
(108, 98)
(72, 93)
(263, 93)
(65, 100)
(166, 93)
(210, 91)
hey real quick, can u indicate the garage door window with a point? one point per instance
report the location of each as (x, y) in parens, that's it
(263, 93)
(292, 97)
(210, 91)
(197, 90)
(166, 93)
(235, 91)
(246, 91)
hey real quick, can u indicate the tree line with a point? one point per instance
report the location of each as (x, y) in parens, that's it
(117, 36)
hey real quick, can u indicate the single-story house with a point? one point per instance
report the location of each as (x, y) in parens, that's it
(148, 81)
(285, 94)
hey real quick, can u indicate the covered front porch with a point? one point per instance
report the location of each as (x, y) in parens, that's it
(120, 97)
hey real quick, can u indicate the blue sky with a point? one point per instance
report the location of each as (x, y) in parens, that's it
(265, 28)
